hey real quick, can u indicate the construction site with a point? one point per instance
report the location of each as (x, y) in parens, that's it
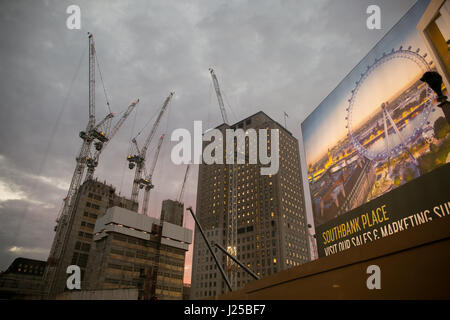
(118, 245)
(134, 224)
(112, 238)
(151, 257)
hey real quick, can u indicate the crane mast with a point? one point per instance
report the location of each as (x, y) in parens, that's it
(92, 162)
(65, 217)
(232, 218)
(180, 195)
(149, 178)
(219, 95)
(138, 160)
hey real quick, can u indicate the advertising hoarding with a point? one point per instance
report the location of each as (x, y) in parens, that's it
(377, 148)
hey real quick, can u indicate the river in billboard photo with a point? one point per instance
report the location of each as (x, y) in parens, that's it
(379, 129)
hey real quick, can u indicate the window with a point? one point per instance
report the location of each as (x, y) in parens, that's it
(85, 247)
(114, 266)
(82, 260)
(117, 251)
(119, 237)
(109, 280)
(75, 258)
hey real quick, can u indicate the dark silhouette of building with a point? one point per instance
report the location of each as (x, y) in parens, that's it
(23, 280)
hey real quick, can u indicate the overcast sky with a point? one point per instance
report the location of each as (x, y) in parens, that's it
(272, 56)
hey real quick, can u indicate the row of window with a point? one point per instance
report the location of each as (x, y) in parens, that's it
(82, 246)
(92, 205)
(94, 196)
(132, 240)
(80, 259)
(90, 215)
(87, 225)
(85, 235)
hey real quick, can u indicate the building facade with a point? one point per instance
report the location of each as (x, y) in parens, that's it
(91, 202)
(172, 212)
(136, 251)
(271, 228)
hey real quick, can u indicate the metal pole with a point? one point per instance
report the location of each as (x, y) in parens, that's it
(210, 249)
(237, 261)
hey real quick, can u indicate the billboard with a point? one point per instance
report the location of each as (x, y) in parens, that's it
(377, 148)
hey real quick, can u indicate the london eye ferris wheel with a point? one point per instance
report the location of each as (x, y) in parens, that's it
(396, 136)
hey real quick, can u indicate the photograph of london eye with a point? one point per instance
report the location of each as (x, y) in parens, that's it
(379, 129)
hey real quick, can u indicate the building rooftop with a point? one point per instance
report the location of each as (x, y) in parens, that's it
(253, 115)
(124, 221)
(26, 266)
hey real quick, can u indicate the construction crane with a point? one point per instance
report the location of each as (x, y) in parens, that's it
(93, 133)
(149, 177)
(92, 161)
(232, 218)
(138, 159)
(180, 195)
(219, 95)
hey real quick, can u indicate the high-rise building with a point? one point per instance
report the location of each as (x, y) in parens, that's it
(172, 212)
(271, 228)
(91, 202)
(132, 250)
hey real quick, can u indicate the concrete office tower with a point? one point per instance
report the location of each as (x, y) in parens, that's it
(132, 250)
(91, 202)
(172, 212)
(271, 218)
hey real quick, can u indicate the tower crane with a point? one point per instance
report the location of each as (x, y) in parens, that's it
(180, 195)
(149, 177)
(93, 133)
(232, 218)
(138, 159)
(219, 95)
(92, 161)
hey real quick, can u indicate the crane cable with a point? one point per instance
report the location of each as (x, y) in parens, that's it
(162, 133)
(128, 151)
(211, 89)
(229, 107)
(101, 79)
(148, 122)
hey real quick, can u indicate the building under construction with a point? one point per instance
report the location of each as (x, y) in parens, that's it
(136, 251)
(172, 212)
(88, 201)
(91, 202)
